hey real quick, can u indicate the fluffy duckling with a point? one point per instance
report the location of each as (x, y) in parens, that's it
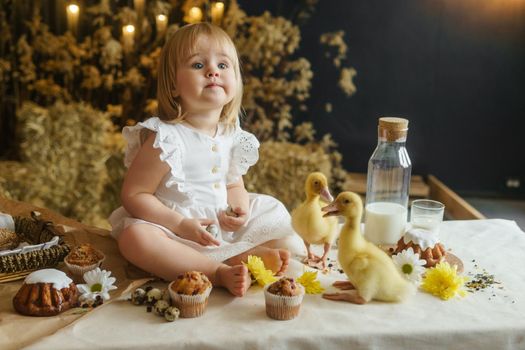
(308, 220)
(369, 269)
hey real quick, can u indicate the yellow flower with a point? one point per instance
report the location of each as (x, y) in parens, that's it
(310, 283)
(443, 281)
(258, 271)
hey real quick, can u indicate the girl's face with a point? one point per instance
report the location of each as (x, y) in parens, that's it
(206, 80)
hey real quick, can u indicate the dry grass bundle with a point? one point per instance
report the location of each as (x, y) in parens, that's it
(283, 167)
(65, 151)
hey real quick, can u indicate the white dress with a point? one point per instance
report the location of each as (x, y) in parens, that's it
(200, 168)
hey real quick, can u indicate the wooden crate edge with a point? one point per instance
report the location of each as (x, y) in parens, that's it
(456, 206)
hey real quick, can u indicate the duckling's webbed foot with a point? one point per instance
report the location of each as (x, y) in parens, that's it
(351, 297)
(325, 254)
(311, 258)
(343, 285)
(314, 258)
(313, 263)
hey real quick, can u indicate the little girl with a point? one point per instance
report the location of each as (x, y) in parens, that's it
(186, 167)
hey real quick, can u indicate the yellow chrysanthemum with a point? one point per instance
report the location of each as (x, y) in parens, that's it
(258, 271)
(443, 281)
(310, 283)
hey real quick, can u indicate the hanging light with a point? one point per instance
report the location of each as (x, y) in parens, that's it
(128, 33)
(194, 14)
(73, 11)
(217, 11)
(162, 23)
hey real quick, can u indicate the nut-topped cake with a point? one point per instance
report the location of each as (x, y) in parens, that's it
(83, 258)
(283, 299)
(189, 292)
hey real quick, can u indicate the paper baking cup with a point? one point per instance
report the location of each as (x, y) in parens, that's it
(280, 307)
(78, 270)
(190, 305)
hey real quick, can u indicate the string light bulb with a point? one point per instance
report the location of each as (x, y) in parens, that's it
(73, 8)
(195, 14)
(129, 28)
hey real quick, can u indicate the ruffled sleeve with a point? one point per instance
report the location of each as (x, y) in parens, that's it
(135, 137)
(244, 154)
(172, 151)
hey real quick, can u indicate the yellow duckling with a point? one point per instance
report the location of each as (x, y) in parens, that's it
(308, 220)
(369, 269)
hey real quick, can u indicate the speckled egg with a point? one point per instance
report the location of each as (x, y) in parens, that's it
(160, 307)
(86, 302)
(213, 230)
(138, 296)
(153, 296)
(171, 313)
(230, 212)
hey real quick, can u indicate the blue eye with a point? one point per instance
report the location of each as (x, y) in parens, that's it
(222, 66)
(197, 65)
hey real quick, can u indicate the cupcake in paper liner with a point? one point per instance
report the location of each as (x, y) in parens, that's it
(283, 299)
(190, 292)
(83, 258)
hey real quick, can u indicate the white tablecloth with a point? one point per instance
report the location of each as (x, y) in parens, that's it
(492, 319)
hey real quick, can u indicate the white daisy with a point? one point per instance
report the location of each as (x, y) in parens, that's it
(409, 264)
(97, 283)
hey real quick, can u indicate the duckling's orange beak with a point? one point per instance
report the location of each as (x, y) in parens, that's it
(331, 209)
(325, 195)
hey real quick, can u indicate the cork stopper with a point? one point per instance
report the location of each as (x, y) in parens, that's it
(393, 129)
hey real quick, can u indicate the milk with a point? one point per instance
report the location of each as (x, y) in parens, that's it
(427, 222)
(385, 222)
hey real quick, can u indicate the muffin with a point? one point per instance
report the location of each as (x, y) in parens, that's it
(190, 292)
(83, 258)
(283, 299)
(46, 292)
(423, 242)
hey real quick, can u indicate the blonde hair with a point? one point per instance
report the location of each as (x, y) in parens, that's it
(180, 46)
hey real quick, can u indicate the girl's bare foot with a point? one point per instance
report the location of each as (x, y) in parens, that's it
(284, 255)
(276, 260)
(234, 278)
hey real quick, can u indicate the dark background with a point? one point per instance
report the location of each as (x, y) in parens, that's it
(455, 69)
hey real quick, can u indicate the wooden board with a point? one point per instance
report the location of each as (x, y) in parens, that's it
(456, 207)
(418, 187)
(9, 277)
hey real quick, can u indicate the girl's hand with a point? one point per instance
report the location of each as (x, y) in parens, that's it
(232, 223)
(195, 230)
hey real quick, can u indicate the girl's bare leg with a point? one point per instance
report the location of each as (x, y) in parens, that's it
(149, 248)
(274, 258)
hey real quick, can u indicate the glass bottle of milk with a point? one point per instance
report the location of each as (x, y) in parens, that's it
(388, 183)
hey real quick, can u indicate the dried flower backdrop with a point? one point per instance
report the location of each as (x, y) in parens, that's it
(67, 94)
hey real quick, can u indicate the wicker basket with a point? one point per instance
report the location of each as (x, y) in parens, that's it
(34, 231)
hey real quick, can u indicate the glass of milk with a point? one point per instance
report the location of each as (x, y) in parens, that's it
(426, 214)
(385, 222)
